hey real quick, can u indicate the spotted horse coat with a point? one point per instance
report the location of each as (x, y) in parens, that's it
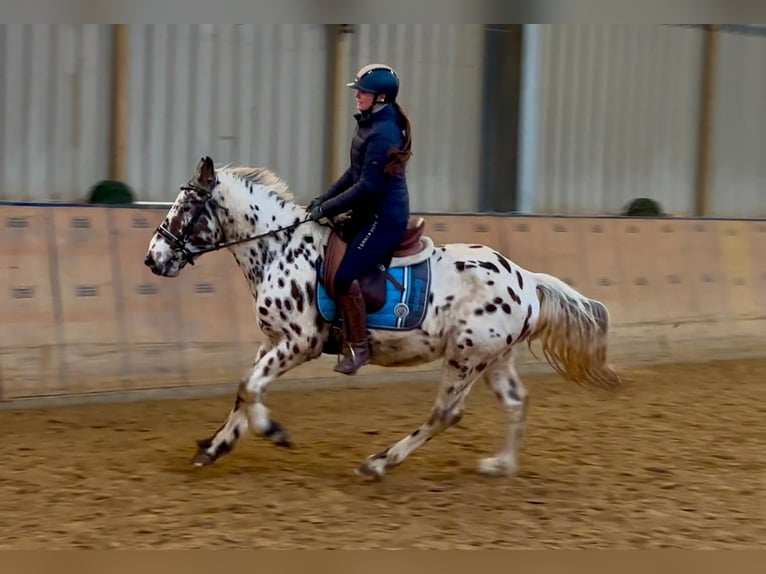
(481, 307)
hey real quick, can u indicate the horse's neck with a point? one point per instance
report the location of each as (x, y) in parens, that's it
(275, 249)
(250, 216)
(264, 260)
(271, 219)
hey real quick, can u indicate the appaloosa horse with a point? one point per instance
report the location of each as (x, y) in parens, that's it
(467, 304)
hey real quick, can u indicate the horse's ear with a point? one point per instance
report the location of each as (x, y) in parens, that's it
(206, 172)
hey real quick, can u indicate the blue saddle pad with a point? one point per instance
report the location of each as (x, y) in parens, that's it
(402, 310)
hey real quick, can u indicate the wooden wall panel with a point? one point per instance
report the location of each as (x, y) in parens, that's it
(29, 342)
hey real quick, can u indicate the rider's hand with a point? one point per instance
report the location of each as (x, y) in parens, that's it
(316, 213)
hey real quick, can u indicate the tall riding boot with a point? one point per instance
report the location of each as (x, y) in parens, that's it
(355, 318)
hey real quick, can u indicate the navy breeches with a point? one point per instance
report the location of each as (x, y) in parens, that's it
(373, 243)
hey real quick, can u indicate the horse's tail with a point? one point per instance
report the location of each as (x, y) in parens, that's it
(573, 331)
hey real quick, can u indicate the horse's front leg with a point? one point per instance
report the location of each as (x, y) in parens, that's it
(249, 408)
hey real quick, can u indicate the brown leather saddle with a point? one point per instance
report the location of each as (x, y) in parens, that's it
(374, 283)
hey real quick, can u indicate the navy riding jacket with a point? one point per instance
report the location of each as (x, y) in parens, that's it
(364, 188)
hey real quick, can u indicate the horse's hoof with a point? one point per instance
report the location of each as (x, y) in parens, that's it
(277, 434)
(493, 466)
(202, 459)
(284, 442)
(369, 472)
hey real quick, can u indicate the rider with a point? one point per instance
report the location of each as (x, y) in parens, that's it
(374, 190)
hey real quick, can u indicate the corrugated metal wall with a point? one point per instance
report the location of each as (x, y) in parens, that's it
(441, 70)
(54, 118)
(247, 94)
(739, 153)
(618, 117)
(618, 110)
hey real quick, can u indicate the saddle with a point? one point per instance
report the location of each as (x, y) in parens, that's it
(373, 284)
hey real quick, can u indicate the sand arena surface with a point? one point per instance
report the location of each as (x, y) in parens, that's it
(676, 460)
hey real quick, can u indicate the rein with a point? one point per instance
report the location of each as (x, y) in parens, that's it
(226, 244)
(180, 243)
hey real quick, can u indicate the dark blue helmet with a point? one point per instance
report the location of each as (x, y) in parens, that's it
(377, 79)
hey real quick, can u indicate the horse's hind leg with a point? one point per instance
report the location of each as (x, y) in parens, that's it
(504, 381)
(458, 376)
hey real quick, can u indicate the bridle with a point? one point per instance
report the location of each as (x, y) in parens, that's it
(180, 243)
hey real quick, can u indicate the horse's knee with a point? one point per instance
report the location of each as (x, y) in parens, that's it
(246, 395)
(443, 418)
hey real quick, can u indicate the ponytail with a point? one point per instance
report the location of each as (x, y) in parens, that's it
(397, 158)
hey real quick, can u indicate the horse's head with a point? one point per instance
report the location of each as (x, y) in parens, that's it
(190, 227)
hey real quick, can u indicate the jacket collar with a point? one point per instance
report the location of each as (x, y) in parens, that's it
(386, 111)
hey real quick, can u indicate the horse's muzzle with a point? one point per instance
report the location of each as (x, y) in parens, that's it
(149, 262)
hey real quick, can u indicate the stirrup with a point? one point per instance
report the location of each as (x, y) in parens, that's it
(342, 356)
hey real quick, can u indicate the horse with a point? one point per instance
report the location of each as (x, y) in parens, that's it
(465, 304)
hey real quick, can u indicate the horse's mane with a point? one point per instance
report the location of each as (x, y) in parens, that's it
(261, 176)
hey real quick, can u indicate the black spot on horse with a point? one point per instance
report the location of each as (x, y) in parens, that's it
(506, 308)
(513, 295)
(503, 261)
(460, 265)
(278, 303)
(490, 308)
(309, 292)
(297, 295)
(296, 328)
(223, 448)
(525, 327)
(380, 455)
(489, 266)
(520, 279)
